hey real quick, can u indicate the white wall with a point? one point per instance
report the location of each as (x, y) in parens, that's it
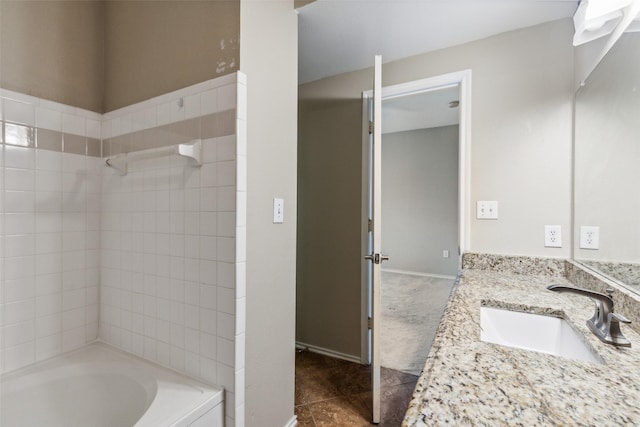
(522, 96)
(420, 200)
(268, 56)
(607, 154)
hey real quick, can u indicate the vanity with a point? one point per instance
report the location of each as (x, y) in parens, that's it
(467, 381)
(470, 381)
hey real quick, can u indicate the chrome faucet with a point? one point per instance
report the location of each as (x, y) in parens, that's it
(605, 324)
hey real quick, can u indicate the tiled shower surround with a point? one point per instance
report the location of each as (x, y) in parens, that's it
(164, 243)
(50, 229)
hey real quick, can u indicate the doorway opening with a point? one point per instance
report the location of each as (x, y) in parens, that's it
(415, 215)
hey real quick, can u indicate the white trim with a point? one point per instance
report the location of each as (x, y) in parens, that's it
(463, 79)
(327, 352)
(417, 273)
(364, 234)
(464, 166)
(293, 422)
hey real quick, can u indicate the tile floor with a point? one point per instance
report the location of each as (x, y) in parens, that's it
(336, 393)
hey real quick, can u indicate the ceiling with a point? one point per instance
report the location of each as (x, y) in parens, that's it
(420, 111)
(337, 36)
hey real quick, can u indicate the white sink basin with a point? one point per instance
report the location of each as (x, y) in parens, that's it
(544, 334)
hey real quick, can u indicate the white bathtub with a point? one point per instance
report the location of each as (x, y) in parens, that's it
(100, 386)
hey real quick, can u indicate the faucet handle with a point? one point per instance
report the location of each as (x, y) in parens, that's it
(617, 317)
(613, 335)
(605, 324)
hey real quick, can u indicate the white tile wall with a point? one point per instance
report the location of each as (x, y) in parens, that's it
(170, 249)
(204, 98)
(50, 238)
(158, 254)
(161, 254)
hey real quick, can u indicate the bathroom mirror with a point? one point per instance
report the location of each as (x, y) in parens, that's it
(607, 166)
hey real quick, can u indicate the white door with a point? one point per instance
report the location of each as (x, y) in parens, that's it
(372, 197)
(374, 255)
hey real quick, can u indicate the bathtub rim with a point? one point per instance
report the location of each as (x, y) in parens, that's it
(211, 395)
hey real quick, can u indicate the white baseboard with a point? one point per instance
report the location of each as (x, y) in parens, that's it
(293, 422)
(327, 352)
(417, 273)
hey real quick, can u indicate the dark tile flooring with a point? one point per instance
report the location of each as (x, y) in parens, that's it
(335, 392)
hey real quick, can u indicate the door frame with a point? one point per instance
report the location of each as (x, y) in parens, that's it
(462, 79)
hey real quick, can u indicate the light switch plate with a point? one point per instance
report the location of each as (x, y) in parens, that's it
(278, 211)
(487, 209)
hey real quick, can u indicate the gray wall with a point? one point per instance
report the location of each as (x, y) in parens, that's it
(53, 50)
(103, 55)
(607, 154)
(420, 200)
(521, 156)
(328, 259)
(155, 47)
(269, 57)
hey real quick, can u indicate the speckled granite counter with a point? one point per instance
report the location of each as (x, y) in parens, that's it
(469, 382)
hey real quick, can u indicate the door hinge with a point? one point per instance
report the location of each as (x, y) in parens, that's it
(370, 128)
(370, 225)
(369, 323)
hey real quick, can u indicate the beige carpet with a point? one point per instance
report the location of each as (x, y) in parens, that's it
(412, 307)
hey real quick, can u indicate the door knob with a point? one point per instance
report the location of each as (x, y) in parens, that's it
(376, 258)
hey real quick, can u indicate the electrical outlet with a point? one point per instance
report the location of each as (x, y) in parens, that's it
(552, 236)
(445, 254)
(487, 209)
(589, 237)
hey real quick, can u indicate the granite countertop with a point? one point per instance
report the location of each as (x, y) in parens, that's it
(469, 382)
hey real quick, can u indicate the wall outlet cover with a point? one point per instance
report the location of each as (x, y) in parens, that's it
(589, 237)
(553, 236)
